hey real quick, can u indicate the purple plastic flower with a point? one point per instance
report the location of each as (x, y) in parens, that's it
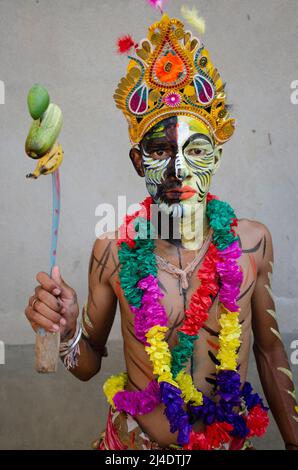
(251, 399)
(206, 412)
(230, 276)
(240, 428)
(229, 383)
(151, 312)
(174, 411)
(138, 402)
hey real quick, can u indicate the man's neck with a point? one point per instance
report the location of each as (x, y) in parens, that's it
(188, 231)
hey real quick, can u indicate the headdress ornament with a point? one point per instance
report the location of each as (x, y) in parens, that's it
(170, 73)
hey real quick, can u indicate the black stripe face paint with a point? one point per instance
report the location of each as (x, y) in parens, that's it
(179, 158)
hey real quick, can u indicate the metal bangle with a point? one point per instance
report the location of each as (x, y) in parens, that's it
(73, 344)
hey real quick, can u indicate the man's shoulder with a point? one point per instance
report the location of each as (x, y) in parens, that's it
(105, 242)
(104, 257)
(253, 231)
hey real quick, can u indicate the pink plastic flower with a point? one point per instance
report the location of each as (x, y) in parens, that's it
(156, 4)
(172, 99)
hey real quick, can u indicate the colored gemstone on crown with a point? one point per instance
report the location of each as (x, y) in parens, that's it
(138, 102)
(204, 89)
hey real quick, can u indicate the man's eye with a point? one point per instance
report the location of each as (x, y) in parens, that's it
(195, 152)
(160, 154)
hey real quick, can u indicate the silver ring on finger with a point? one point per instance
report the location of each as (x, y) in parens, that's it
(34, 302)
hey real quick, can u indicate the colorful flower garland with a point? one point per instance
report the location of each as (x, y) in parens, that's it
(184, 404)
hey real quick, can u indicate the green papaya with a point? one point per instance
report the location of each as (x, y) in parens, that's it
(38, 101)
(44, 132)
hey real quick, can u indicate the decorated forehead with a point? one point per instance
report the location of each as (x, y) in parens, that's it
(183, 127)
(170, 73)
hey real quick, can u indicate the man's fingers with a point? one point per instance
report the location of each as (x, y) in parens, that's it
(40, 321)
(47, 312)
(33, 324)
(54, 303)
(66, 291)
(48, 283)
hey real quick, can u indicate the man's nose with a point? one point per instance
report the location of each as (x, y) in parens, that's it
(181, 168)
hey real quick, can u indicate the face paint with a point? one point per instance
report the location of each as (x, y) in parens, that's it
(179, 160)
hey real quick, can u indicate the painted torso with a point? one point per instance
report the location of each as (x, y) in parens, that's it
(138, 365)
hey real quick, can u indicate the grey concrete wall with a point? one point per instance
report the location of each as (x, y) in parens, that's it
(69, 46)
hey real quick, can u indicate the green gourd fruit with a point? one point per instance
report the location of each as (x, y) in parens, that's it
(44, 132)
(38, 101)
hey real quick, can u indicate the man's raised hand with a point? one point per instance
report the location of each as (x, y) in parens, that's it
(54, 305)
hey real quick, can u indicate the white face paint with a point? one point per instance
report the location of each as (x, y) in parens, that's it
(179, 153)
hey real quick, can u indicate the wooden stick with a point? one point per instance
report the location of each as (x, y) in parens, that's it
(47, 344)
(47, 351)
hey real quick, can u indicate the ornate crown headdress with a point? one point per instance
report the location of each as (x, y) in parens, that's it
(169, 74)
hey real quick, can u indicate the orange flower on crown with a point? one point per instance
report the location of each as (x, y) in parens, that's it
(168, 68)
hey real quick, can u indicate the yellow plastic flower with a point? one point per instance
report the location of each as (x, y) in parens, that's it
(189, 392)
(114, 384)
(229, 340)
(167, 377)
(158, 351)
(160, 354)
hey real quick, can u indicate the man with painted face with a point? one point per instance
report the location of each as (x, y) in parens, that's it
(188, 300)
(178, 157)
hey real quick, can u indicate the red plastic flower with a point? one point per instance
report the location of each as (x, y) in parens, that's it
(197, 313)
(210, 197)
(127, 231)
(197, 441)
(145, 210)
(217, 434)
(257, 421)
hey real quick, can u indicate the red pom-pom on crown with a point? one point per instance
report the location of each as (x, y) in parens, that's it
(125, 44)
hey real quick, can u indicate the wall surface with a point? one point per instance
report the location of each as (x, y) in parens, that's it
(69, 46)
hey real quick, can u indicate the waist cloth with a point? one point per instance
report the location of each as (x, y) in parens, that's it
(122, 432)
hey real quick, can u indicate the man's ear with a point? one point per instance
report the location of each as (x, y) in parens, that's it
(136, 158)
(217, 158)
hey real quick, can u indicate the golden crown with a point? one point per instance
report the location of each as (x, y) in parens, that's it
(171, 74)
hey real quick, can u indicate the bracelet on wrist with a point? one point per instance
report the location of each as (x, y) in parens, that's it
(69, 350)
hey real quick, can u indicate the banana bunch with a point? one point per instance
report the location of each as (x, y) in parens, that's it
(41, 141)
(48, 163)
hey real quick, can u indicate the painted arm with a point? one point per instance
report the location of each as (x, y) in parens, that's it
(271, 358)
(99, 311)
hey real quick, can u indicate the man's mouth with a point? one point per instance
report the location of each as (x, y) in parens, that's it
(186, 192)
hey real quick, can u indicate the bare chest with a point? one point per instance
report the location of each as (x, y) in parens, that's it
(177, 290)
(179, 281)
